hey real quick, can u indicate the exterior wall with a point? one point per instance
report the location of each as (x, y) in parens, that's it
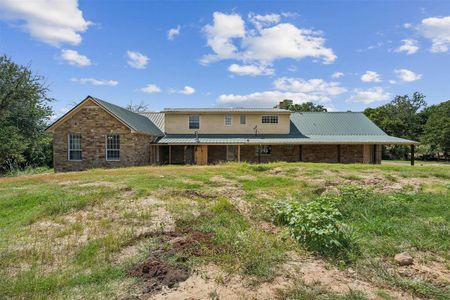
(288, 153)
(94, 124)
(176, 123)
(320, 153)
(217, 154)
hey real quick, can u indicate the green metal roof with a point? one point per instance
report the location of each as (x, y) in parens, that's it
(157, 118)
(136, 121)
(226, 109)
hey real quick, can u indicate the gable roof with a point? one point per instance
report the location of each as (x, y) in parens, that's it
(226, 109)
(134, 121)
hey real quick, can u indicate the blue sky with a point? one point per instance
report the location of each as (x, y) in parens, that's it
(344, 55)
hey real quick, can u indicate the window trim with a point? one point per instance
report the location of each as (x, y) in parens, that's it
(243, 117)
(106, 147)
(270, 119)
(69, 144)
(189, 121)
(225, 120)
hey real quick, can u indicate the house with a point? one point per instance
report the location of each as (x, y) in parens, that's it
(98, 134)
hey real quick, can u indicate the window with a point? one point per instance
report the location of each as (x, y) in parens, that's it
(243, 119)
(194, 122)
(269, 119)
(74, 146)
(228, 120)
(112, 147)
(264, 150)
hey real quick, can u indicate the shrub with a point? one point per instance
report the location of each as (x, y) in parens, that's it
(317, 225)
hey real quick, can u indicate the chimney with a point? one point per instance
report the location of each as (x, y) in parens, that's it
(284, 104)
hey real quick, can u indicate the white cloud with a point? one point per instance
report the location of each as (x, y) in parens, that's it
(370, 95)
(371, 76)
(407, 25)
(94, 81)
(74, 58)
(409, 46)
(298, 89)
(336, 75)
(252, 70)
(438, 31)
(173, 32)
(53, 22)
(187, 90)
(151, 88)
(258, 46)
(407, 75)
(137, 60)
(261, 21)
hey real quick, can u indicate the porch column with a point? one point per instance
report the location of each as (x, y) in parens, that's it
(239, 153)
(412, 154)
(170, 154)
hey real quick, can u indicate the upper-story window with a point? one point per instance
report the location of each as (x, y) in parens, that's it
(243, 119)
(74, 149)
(228, 120)
(194, 122)
(113, 147)
(269, 119)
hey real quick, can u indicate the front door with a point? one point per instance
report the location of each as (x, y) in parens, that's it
(231, 152)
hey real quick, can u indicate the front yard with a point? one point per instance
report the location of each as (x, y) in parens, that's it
(280, 230)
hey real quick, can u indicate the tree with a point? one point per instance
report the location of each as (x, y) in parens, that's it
(436, 131)
(307, 107)
(137, 108)
(24, 114)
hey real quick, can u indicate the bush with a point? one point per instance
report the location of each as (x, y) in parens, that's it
(317, 225)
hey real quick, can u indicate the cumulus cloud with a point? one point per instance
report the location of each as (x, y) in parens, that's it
(151, 89)
(371, 76)
(74, 58)
(94, 81)
(187, 90)
(336, 75)
(369, 95)
(173, 32)
(407, 75)
(409, 46)
(298, 89)
(137, 60)
(53, 22)
(228, 39)
(252, 70)
(438, 31)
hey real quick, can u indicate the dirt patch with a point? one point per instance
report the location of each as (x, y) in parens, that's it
(275, 171)
(157, 273)
(193, 194)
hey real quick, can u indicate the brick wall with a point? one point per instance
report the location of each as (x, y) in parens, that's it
(94, 124)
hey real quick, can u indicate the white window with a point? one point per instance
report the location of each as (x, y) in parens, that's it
(74, 147)
(113, 147)
(264, 150)
(243, 119)
(228, 120)
(194, 122)
(269, 119)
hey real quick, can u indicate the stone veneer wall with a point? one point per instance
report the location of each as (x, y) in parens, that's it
(94, 123)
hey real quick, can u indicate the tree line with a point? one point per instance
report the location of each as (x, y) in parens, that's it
(25, 113)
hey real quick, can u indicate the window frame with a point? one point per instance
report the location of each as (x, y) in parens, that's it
(228, 117)
(242, 119)
(69, 148)
(259, 152)
(112, 149)
(191, 122)
(269, 119)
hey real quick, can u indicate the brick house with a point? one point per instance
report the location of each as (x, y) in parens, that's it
(98, 134)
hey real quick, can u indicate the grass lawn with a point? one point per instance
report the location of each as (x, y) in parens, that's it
(279, 230)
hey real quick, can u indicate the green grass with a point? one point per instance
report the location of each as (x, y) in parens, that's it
(55, 242)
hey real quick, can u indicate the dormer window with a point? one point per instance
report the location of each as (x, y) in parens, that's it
(228, 120)
(194, 122)
(269, 119)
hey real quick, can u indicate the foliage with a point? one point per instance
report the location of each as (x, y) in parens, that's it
(137, 108)
(307, 107)
(317, 225)
(24, 113)
(436, 131)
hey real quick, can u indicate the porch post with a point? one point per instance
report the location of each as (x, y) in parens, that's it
(412, 154)
(170, 154)
(239, 153)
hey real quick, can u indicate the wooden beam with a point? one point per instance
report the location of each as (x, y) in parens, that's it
(239, 153)
(170, 154)
(412, 154)
(374, 154)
